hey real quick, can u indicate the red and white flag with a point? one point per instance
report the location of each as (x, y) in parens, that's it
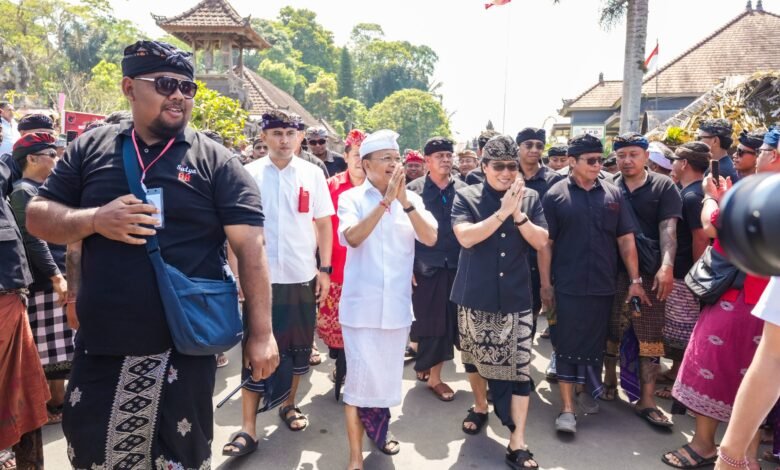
(652, 60)
(496, 3)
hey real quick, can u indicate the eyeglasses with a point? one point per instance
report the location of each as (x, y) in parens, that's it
(500, 166)
(317, 142)
(388, 160)
(442, 156)
(167, 86)
(592, 161)
(261, 147)
(741, 152)
(46, 154)
(532, 145)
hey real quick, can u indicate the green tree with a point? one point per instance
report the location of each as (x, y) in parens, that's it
(310, 38)
(218, 113)
(383, 67)
(279, 74)
(103, 94)
(348, 113)
(346, 78)
(414, 114)
(319, 95)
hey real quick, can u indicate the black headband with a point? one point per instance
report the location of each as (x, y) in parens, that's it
(753, 139)
(531, 133)
(438, 144)
(584, 143)
(156, 56)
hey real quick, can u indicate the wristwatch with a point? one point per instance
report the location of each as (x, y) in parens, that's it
(636, 281)
(522, 222)
(410, 208)
(326, 269)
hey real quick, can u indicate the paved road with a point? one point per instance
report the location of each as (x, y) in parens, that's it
(429, 430)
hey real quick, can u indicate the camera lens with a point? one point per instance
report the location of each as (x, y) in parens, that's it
(750, 224)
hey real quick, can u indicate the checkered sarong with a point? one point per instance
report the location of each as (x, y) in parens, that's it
(50, 329)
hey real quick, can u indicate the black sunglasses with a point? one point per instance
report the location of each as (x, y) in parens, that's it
(593, 160)
(261, 147)
(499, 166)
(167, 86)
(317, 142)
(741, 152)
(531, 145)
(46, 154)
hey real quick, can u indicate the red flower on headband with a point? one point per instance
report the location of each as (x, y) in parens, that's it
(355, 138)
(413, 156)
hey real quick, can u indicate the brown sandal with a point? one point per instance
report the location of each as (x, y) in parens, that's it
(442, 389)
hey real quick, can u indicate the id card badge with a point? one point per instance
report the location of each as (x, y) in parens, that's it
(154, 196)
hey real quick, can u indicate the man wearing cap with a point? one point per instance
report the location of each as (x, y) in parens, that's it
(414, 165)
(654, 202)
(746, 155)
(294, 193)
(317, 139)
(589, 224)
(659, 159)
(29, 124)
(477, 175)
(301, 148)
(8, 123)
(689, 162)
(23, 388)
(717, 133)
(557, 158)
(133, 400)
(435, 325)
(467, 161)
(379, 222)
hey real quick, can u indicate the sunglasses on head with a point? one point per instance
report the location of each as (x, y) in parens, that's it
(741, 152)
(167, 86)
(531, 145)
(501, 166)
(317, 141)
(593, 160)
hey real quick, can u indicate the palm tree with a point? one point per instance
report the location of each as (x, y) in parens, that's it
(635, 12)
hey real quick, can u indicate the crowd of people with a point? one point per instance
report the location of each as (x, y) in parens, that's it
(386, 256)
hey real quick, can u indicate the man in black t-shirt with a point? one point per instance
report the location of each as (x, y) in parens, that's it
(656, 207)
(689, 162)
(133, 399)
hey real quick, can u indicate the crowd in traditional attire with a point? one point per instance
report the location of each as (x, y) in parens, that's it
(381, 253)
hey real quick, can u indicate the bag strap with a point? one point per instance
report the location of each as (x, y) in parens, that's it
(634, 214)
(134, 182)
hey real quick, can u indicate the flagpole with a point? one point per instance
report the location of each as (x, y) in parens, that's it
(506, 68)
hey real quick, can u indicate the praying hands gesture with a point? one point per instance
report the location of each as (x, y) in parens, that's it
(510, 203)
(396, 188)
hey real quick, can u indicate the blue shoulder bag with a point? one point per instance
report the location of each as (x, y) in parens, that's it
(202, 314)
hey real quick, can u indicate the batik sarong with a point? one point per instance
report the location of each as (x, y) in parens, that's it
(682, 312)
(648, 325)
(140, 412)
(376, 422)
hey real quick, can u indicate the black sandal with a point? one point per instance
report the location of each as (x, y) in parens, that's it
(288, 420)
(390, 442)
(243, 449)
(516, 459)
(477, 419)
(698, 460)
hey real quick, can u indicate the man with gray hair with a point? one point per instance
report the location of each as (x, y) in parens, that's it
(317, 138)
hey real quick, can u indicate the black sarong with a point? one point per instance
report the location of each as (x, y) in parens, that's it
(581, 328)
(435, 327)
(140, 412)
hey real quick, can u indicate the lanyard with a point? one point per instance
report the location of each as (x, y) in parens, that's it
(144, 169)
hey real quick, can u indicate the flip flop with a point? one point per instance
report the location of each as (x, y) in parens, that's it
(477, 419)
(7, 460)
(316, 358)
(441, 389)
(297, 416)
(391, 447)
(410, 354)
(222, 360)
(609, 393)
(545, 335)
(698, 460)
(648, 415)
(243, 449)
(516, 459)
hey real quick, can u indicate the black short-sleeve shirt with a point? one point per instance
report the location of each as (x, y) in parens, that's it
(14, 270)
(692, 198)
(656, 200)
(475, 176)
(584, 226)
(493, 275)
(204, 189)
(444, 254)
(543, 180)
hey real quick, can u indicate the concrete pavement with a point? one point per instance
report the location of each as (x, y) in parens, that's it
(430, 430)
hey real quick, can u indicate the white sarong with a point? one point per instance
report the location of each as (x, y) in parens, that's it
(375, 366)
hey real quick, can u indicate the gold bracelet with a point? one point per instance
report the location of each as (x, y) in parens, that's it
(499, 218)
